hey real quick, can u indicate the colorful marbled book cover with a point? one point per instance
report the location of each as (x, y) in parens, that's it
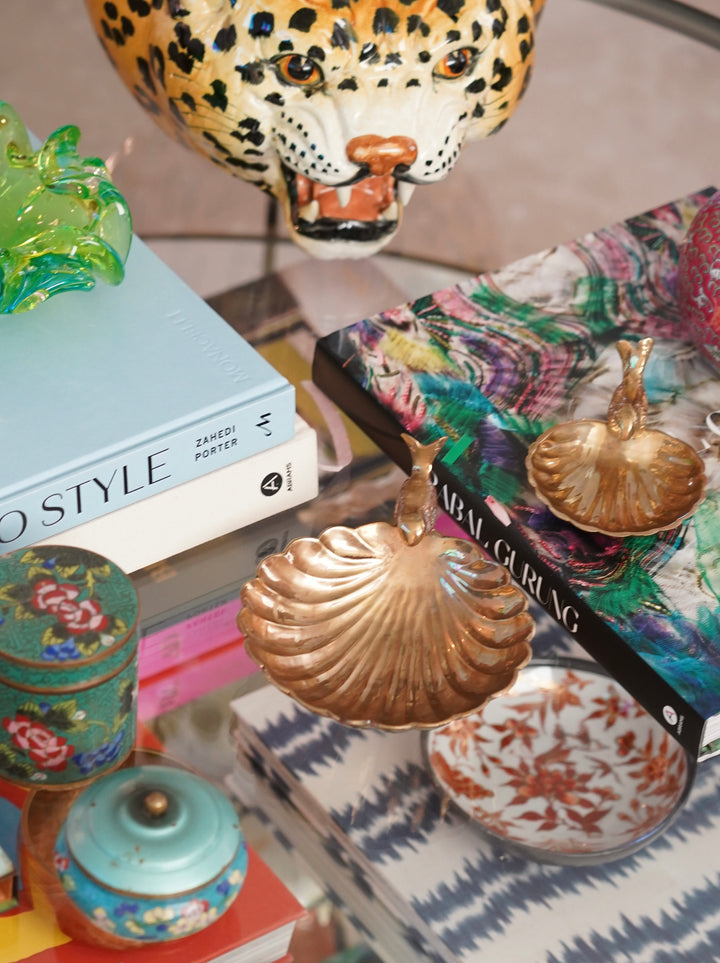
(495, 361)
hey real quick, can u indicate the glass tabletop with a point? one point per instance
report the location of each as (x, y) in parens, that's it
(622, 114)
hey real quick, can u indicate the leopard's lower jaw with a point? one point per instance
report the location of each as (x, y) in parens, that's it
(340, 246)
(373, 206)
(328, 238)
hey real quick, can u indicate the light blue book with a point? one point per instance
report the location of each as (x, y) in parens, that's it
(112, 395)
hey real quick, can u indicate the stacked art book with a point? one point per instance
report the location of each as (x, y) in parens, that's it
(257, 928)
(114, 395)
(362, 806)
(494, 362)
(189, 602)
(193, 677)
(205, 508)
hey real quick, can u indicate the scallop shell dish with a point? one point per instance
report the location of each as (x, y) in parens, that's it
(618, 477)
(388, 625)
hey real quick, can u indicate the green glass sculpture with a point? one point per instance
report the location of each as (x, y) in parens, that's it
(63, 224)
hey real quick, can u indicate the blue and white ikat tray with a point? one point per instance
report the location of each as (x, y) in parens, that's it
(460, 897)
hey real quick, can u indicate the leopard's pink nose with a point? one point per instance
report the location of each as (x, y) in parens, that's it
(381, 155)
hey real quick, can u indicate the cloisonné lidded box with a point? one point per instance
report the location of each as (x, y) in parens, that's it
(150, 854)
(68, 666)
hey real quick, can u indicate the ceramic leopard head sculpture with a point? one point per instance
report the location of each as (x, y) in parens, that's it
(340, 108)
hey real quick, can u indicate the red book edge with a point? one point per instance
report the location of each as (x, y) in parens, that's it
(263, 905)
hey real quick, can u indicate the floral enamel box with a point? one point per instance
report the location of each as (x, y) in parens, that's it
(68, 666)
(150, 854)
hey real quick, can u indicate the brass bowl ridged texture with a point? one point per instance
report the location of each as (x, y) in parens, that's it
(376, 626)
(618, 477)
(636, 487)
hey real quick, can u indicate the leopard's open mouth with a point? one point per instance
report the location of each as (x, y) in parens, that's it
(367, 210)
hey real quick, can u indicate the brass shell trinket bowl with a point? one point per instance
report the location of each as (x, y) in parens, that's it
(618, 477)
(390, 626)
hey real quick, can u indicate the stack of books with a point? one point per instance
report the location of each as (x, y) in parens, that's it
(224, 500)
(137, 423)
(189, 604)
(494, 362)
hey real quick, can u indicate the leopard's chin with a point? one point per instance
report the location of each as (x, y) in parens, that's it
(348, 221)
(337, 247)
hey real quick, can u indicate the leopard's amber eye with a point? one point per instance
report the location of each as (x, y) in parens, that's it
(455, 64)
(299, 71)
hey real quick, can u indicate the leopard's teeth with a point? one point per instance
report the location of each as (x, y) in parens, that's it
(310, 212)
(344, 194)
(391, 212)
(405, 191)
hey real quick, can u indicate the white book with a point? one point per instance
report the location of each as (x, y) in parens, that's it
(204, 508)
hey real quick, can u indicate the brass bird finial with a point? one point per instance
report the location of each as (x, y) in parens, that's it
(628, 408)
(416, 508)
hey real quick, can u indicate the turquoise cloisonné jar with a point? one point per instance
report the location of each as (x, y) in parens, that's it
(68, 666)
(151, 853)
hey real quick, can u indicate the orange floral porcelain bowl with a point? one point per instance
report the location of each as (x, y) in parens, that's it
(565, 767)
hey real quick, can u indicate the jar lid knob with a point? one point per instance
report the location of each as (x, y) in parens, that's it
(155, 803)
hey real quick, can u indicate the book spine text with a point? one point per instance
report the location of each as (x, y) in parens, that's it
(47, 508)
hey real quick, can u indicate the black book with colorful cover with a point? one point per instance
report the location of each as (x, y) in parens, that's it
(495, 361)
